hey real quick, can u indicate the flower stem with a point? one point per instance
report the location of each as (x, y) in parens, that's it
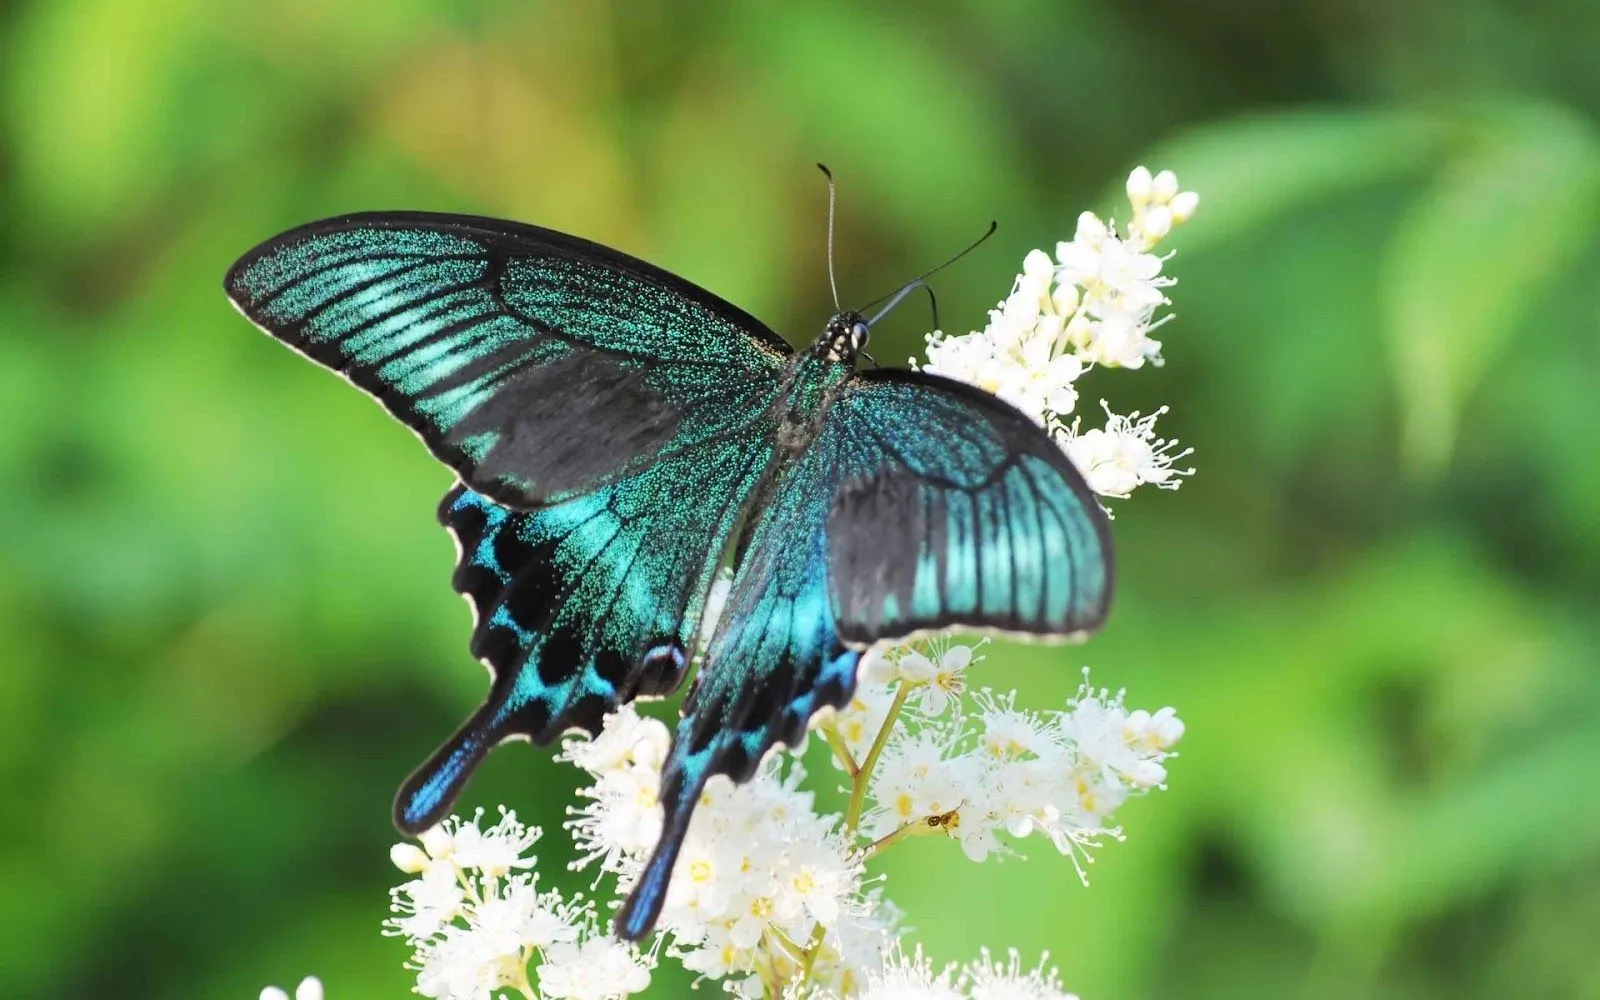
(893, 837)
(863, 776)
(841, 751)
(860, 777)
(812, 948)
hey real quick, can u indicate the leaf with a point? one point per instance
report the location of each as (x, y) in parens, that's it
(1470, 258)
(1253, 171)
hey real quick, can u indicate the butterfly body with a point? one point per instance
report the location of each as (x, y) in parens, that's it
(620, 435)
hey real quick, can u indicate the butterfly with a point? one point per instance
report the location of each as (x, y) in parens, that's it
(619, 436)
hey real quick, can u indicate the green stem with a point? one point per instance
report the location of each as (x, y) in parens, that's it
(860, 777)
(893, 837)
(841, 751)
(812, 948)
(863, 777)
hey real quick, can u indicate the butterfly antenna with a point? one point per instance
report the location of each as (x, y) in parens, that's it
(898, 296)
(921, 281)
(832, 284)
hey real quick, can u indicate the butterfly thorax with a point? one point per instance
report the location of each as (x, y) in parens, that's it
(809, 385)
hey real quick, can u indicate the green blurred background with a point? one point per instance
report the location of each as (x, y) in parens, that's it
(226, 628)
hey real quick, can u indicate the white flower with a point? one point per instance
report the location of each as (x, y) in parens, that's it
(716, 601)
(858, 723)
(475, 918)
(1109, 270)
(943, 689)
(1124, 454)
(759, 864)
(911, 977)
(310, 988)
(627, 740)
(1157, 731)
(987, 979)
(1008, 734)
(624, 815)
(497, 850)
(425, 905)
(601, 968)
(1094, 304)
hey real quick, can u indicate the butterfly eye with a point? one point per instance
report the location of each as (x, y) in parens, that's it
(859, 333)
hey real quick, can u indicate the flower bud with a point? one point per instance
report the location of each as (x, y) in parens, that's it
(1183, 205)
(1139, 186)
(1157, 222)
(409, 858)
(437, 842)
(1163, 187)
(1037, 266)
(1065, 300)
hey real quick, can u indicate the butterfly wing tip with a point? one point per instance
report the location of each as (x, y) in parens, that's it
(428, 794)
(634, 923)
(415, 810)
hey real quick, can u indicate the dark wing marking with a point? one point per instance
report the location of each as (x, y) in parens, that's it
(586, 604)
(535, 364)
(954, 508)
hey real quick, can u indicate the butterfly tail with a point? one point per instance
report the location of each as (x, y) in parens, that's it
(432, 788)
(682, 788)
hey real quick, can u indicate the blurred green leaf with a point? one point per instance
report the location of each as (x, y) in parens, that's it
(1255, 171)
(226, 626)
(1505, 217)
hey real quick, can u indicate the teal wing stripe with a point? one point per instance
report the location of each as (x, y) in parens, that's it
(953, 508)
(491, 340)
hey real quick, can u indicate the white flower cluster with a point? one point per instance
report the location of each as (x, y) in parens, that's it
(765, 886)
(477, 922)
(767, 891)
(1093, 304)
(913, 977)
(978, 767)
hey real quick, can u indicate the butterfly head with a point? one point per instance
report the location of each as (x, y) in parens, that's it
(844, 337)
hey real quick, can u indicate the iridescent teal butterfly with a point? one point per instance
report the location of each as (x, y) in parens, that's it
(619, 435)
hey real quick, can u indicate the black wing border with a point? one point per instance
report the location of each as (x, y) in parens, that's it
(504, 238)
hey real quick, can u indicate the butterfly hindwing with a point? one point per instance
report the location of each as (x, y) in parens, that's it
(535, 364)
(588, 603)
(952, 508)
(775, 659)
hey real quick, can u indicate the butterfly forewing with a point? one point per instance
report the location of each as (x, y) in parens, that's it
(534, 364)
